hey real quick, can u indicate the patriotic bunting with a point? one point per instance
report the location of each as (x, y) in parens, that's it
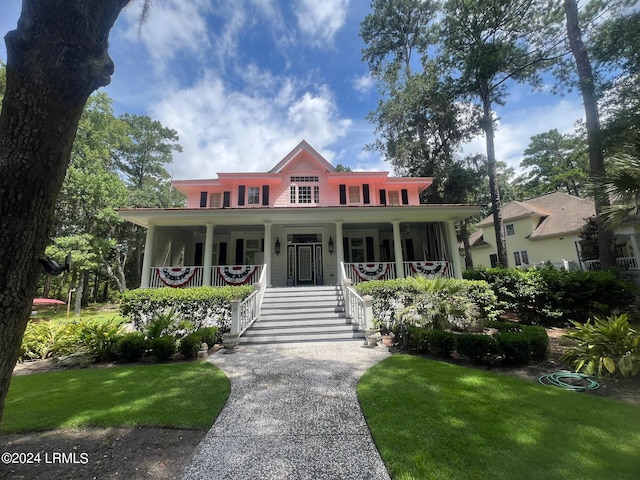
(237, 275)
(370, 271)
(175, 276)
(429, 268)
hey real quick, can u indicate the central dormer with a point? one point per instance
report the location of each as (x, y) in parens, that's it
(303, 179)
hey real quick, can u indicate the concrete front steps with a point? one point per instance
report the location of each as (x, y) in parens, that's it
(301, 314)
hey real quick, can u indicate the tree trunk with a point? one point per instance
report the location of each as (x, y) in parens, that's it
(487, 126)
(464, 233)
(606, 242)
(56, 58)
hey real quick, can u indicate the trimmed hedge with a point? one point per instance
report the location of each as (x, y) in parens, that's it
(555, 297)
(204, 306)
(442, 296)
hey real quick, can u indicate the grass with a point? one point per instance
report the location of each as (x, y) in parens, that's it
(433, 420)
(185, 395)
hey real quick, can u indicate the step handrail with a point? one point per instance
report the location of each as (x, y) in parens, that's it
(244, 313)
(356, 307)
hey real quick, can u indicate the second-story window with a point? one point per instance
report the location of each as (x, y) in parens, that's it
(510, 229)
(215, 200)
(292, 194)
(354, 194)
(316, 194)
(254, 196)
(304, 194)
(394, 197)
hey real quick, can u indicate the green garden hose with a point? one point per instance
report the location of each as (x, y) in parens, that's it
(576, 382)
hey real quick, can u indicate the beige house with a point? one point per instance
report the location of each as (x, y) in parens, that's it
(546, 229)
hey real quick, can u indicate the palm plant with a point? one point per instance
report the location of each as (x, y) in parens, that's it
(622, 185)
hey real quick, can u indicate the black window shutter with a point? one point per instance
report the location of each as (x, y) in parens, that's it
(239, 251)
(365, 194)
(203, 199)
(405, 196)
(345, 248)
(369, 245)
(265, 195)
(199, 254)
(383, 197)
(223, 253)
(343, 194)
(240, 195)
(410, 254)
(226, 199)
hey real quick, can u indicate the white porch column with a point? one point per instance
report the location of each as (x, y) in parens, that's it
(208, 255)
(267, 251)
(148, 254)
(453, 248)
(397, 249)
(636, 250)
(339, 250)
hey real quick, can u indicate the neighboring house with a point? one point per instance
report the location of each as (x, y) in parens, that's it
(545, 229)
(301, 223)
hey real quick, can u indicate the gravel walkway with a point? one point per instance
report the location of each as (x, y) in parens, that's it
(292, 414)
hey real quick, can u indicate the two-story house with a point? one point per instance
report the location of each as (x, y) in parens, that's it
(302, 221)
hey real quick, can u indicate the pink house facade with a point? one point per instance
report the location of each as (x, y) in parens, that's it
(301, 223)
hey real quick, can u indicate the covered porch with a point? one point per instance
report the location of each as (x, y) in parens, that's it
(301, 247)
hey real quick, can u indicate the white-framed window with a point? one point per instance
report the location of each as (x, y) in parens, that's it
(354, 194)
(292, 194)
(316, 194)
(304, 194)
(357, 250)
(393, 198)
(254, 196)
(510, 229)
(215, 200)
(521, 258)
(252, 247)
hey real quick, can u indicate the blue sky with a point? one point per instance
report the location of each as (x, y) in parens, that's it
(244, 81)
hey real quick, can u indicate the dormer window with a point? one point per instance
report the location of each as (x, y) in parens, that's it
(304, 194)
(354, 194)
(393, 197)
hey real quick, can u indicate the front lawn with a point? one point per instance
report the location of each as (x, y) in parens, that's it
(434, 420)
(185, 395)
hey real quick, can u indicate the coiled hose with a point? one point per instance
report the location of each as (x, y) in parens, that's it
(576, 382)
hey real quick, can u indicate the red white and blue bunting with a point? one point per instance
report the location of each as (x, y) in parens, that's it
(370, 271)
(237, 275)
(430, 268)
(176, 276)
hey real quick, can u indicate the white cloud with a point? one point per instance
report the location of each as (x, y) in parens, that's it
(320, 21)
(363, 84)
(172, 26)
(516, 129)
(223, 130)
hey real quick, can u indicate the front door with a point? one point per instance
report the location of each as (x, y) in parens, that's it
(304, 263)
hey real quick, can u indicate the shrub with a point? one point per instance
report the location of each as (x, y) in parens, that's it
(45, 339)
(100, 338)
(440, 342)
(605, 347)
(476, 347)
(131, 346)
(190, 345)
(204, 306)
(209, 335)
(163, 347)
(161, 324)
(554, 297)
(418, 338)
(520, 344)
(514, 347)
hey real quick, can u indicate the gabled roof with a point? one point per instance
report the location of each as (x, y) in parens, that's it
(558, 214)
(298, 153)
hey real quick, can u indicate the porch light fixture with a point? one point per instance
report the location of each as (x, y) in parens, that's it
(330, 245)
(278, 246)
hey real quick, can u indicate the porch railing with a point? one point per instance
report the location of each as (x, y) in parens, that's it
(367, 271)
(247, 311)
(625, 263)
(193, 276)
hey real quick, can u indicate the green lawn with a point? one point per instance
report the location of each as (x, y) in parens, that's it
(186, 394)
(433, 420)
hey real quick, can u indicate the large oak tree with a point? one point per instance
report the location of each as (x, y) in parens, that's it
(56, 57)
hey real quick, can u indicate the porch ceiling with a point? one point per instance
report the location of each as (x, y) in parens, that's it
(298, 215)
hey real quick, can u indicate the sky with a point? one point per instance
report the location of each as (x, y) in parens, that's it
(244, 81)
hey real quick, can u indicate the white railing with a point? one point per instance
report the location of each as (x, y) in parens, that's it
(367, 271)
(429, 269)
(247, 311)
(177, 277)
(625, 263)
(222, 275)
(358, 309)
